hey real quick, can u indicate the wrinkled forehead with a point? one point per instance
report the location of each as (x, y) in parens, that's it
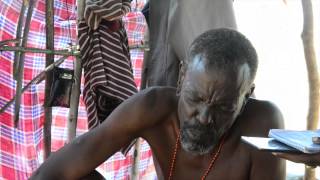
(207, 78)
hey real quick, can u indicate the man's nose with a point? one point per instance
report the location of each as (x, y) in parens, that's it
(204, 115)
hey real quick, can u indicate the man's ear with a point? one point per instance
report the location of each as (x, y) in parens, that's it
(247, 96)
(250, 93)
(182, 72)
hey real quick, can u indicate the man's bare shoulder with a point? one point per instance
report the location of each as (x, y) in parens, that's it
(156, 103)
(261, 116)
(158, 95)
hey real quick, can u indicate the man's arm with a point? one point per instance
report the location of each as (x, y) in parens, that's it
(264, 165)
(87, 151)
(308, 159)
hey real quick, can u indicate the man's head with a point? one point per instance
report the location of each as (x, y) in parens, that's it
(216, 81)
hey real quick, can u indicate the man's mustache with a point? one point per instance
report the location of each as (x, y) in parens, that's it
(198, 126)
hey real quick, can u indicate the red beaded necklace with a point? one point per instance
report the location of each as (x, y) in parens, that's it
(174, 157)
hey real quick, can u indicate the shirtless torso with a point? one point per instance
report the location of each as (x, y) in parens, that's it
(211, 103)
(236, 160)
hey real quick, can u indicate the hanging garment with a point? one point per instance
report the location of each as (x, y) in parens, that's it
(105, 58)
(174, 24)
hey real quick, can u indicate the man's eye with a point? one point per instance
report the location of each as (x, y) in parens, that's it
(192, 99)
(226, 109)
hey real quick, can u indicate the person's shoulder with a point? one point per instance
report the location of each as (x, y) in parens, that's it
(157, 95)
(146, 109)
(263, 107)
(157, 100)
(158, 90)
(261, 116)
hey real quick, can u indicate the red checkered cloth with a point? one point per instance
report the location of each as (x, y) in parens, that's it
(21, 149)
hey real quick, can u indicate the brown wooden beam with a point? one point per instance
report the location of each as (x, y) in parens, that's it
(21, 64)
(19, 36)
(49, 60)
(313, 74)
(37, 50)
(6, 42)
(74, 101)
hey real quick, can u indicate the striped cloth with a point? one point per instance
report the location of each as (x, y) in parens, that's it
(21, 149)
(105, 57)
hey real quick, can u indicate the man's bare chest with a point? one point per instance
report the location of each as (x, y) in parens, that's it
(231, 163)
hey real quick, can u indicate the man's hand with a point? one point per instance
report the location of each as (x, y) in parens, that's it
(308, 159)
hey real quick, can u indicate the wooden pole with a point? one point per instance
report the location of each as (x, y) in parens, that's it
(145, 61)
(313, 75)
(137, 149)
(37, 50)
(75, 95)
(312, 67)
(5, 42)
(18, 36)
(74, 101)
(21, 64)
(49, 78)
(80, 9)
(136, 158)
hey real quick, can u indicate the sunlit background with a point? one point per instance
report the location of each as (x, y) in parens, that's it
(275, 28)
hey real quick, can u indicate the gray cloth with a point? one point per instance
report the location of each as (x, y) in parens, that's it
(174, 24)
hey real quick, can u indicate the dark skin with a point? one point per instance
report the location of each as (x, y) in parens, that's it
(211, 103)
(312, 160)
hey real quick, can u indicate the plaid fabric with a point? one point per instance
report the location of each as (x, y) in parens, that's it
(21, 149)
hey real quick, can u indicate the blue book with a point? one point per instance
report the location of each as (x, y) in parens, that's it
(300, 140)
(268, 144)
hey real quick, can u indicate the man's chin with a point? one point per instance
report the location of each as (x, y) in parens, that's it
(196, 149)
